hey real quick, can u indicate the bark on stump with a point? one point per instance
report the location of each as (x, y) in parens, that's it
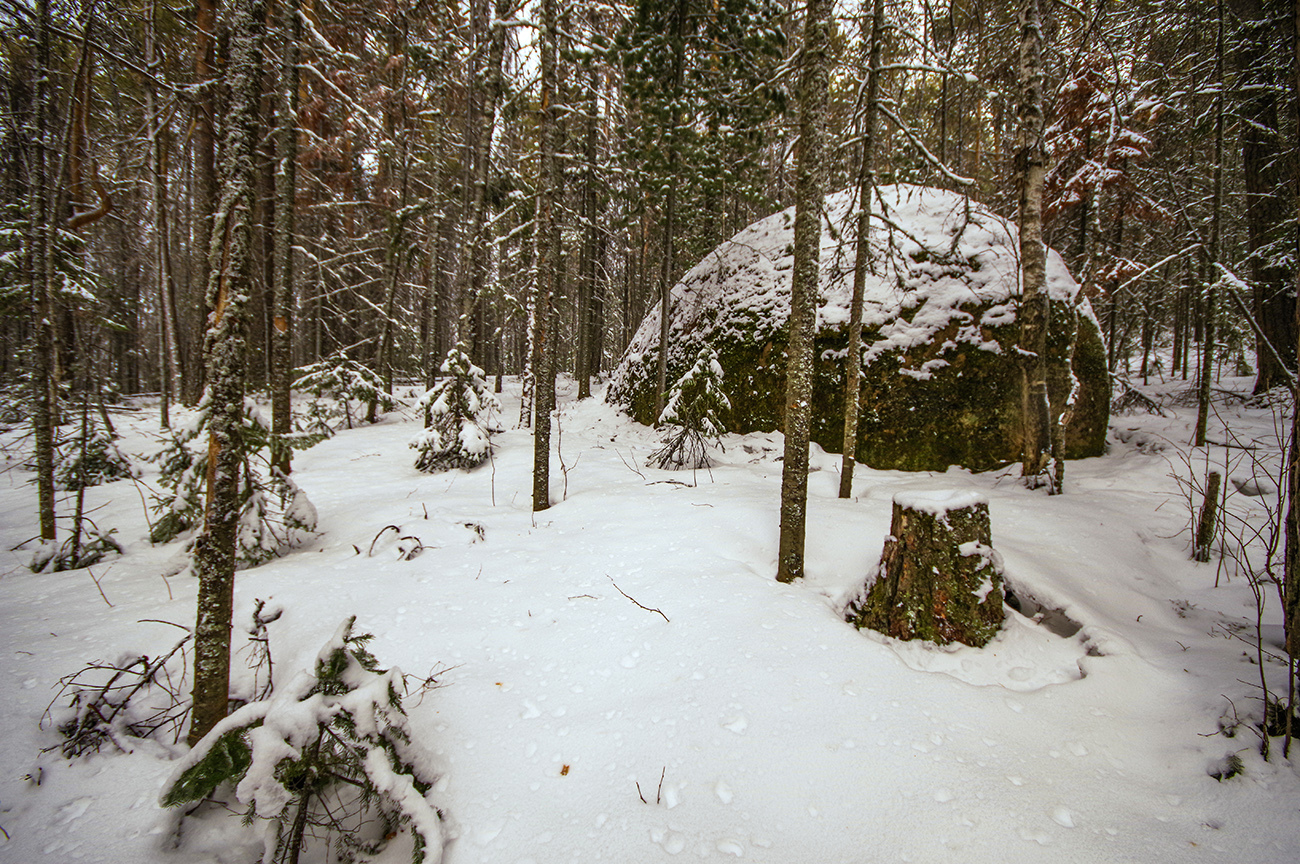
(938, 577)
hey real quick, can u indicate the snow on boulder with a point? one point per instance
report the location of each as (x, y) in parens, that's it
(940, 381)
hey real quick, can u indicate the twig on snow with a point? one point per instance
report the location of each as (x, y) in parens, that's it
(634, 600)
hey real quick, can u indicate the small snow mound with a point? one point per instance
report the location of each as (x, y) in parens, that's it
(1254, 487)
(940, 501)
(1023, 657)
(1142, 441)
(1063, 817)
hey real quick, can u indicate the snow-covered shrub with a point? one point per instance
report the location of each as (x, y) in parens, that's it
(100, 461)
(328, 757)
(692, 415)
(459, 409)
(344, 380)
(275, 514)
(14, 402)
(121, 703)
(75, 552)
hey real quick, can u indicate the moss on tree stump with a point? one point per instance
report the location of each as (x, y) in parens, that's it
(938, 577)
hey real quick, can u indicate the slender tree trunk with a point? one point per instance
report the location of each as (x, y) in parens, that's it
(666, 287)
(1209, 313)
(169, 360)
(587, 277)
(283, 273)
(547, 239)
(809, 180)
(667, 264)
(483, 119)
(229, 286)
(863, 258)
(1033, 312)
(203, 143)
(1291, 562)
(44, 406)
(286, 187)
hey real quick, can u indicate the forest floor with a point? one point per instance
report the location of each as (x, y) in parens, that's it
(632, 643)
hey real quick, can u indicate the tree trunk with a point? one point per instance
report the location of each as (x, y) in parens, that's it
(1033, 311)
(1269, 174)
(286, 177)
(203, 142)
(863, 258)
(1291, 560)
(44, 406)
(813, 94)
(1209, 314)
(938, 577)
(229, 286)
(547, 238)
(587, 277)
(169, 361)
(482, 120)
(667, 264)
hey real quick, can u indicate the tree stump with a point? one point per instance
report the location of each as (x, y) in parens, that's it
(938, 577)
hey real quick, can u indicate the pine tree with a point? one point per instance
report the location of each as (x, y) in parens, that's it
(699, 76)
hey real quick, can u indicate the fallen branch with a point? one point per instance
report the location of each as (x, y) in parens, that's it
(95, 579)
(634, 600)
(371, 552)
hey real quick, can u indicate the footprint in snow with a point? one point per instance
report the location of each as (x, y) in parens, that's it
(736, 724)
(74, 810)
(670, 841)
(731, 846)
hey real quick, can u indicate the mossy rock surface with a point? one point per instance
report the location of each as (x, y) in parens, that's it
(940, 383)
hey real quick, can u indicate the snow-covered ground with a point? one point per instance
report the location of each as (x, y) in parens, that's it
(751, 719)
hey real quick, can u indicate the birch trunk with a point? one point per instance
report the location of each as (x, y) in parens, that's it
(1033, 311)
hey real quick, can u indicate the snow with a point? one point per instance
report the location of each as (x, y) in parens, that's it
(938, 502)
(753, 722)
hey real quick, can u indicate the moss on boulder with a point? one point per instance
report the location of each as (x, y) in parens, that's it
(940, 383)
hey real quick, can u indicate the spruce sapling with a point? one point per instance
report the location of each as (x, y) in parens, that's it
(692, 415)
(329, 755)
(345, 380)
(459, 410)
(275, 514)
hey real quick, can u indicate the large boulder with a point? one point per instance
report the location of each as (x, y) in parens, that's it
(940, 382)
